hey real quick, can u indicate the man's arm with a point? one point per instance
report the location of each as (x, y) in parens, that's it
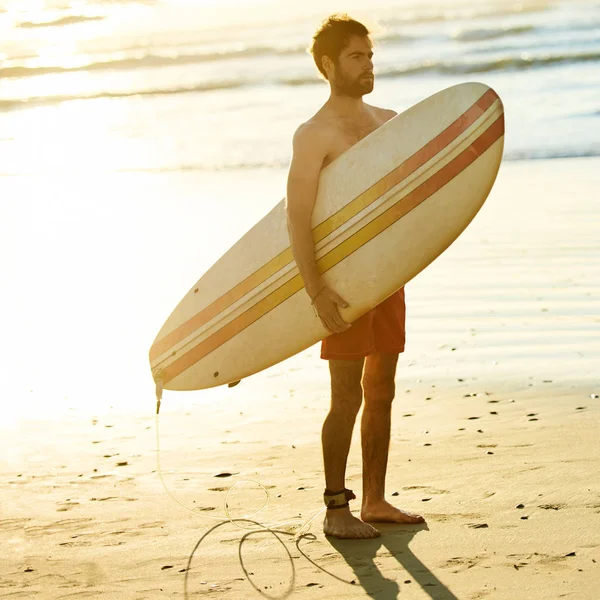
(309, 152)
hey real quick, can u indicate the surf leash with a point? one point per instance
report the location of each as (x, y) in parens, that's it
(273, 528)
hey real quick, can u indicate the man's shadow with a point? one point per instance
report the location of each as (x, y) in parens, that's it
(361, 554)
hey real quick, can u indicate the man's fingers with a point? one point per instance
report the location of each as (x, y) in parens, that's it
(327, 326)
(339, 300)
(343, 326)
(328, 312)
(332, 326)
(326, 323)
(338, 323)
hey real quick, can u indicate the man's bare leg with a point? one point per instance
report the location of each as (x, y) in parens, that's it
(346, 398)
(379, 391)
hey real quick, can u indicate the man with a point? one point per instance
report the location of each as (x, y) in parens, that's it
(362, 356)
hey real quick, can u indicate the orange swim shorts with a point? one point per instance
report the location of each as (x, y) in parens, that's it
(382, 329)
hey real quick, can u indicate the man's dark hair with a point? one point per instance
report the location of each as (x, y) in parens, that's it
(333, 36)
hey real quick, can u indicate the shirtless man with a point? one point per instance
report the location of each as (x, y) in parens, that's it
(362, 356)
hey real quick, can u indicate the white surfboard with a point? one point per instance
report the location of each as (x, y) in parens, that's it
(385, 209)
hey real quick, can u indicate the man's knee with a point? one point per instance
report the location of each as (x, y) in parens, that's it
(346, 397)
(346, 389)
(378, 379)
(379, 389)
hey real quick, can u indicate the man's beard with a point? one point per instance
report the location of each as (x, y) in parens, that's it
(354, 88)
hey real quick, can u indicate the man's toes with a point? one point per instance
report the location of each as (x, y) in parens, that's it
(370, 532)
(357, 532)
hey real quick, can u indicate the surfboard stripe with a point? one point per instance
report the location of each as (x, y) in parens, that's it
(408, 167)
(338, 219)
(437, 181)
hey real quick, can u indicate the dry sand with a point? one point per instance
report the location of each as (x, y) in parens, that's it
(495, 440)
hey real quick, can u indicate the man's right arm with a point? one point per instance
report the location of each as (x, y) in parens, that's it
(309, 152)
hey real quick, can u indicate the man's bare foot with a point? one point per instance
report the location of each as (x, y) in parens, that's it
(384, 512)
(340, 523)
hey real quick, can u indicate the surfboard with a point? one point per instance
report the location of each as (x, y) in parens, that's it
(385, 209)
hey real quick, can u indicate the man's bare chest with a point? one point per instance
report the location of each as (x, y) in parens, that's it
(347, 134)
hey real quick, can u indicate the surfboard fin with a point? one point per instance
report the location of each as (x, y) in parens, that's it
(233, 383)
(159, 393)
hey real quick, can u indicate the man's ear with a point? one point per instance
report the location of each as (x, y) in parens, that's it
(328, 66)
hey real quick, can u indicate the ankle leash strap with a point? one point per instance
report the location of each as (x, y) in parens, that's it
(338, 499)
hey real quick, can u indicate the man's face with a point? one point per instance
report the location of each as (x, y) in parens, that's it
(353, 75)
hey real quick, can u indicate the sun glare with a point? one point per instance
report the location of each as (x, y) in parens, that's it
(31, 7)
(214, 2)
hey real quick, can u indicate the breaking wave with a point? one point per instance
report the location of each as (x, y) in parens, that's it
(58, 22)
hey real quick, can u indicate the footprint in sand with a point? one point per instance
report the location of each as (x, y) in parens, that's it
(151, 525)
(75, 544)
(66, 505)
(125, 499)
(113, 543)
(462, 563)
(51, 528)
(443, 517)
(12, 524)
(558, 558)
(427, 489)
(552, 506)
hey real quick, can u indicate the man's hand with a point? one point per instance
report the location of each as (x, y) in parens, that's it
(326, 304)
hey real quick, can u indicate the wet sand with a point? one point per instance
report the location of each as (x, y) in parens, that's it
(495, 441)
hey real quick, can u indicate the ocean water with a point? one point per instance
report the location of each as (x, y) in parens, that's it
(139, 140)
(175, 85)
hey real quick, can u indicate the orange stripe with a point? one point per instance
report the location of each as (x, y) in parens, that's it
(386, 183)
(371, 230)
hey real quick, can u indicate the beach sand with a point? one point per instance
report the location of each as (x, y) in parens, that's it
(495, 441)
